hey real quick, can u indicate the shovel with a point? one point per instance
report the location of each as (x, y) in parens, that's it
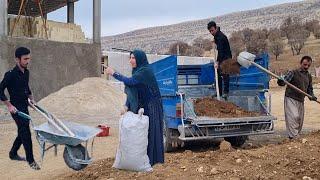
(55, 122)
(247, 62)
(216, 75)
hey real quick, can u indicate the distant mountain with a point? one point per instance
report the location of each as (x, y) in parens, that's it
(158, 39)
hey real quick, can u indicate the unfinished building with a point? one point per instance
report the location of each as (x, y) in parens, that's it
(60, 53)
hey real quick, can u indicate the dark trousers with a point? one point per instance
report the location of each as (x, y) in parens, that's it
(225, 78)
(24, 135)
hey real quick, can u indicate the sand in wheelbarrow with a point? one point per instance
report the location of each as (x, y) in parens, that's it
(220, 109)
(91, 96)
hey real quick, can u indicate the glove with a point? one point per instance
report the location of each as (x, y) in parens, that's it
(313, 98)
(281, 82)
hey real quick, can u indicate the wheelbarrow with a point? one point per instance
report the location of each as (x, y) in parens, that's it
(75, 154)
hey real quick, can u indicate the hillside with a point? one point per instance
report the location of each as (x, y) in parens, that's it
(158, 39)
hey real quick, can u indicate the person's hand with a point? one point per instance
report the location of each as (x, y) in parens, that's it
(281, 78)
(32, 101)
(12, 109)
(124, 110)
(216, 65)
(110, 71)
(313, 98)
(281, 82)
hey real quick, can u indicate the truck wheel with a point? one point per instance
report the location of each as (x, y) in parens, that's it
(236, 141)
(167, 140)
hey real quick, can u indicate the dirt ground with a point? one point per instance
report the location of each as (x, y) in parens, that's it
(213, 108)
(295, 159)
(261, 157)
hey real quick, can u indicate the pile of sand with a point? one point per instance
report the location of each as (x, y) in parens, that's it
(91, 96)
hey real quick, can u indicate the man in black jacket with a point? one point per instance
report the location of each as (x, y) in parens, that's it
(224, 53)
(16, 81)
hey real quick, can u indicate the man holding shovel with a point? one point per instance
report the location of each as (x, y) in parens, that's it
(224, 53)
(16, 81)
(294, 100)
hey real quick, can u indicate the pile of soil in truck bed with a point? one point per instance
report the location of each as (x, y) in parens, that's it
(220, 109)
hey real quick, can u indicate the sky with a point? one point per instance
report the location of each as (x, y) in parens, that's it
(120, 16)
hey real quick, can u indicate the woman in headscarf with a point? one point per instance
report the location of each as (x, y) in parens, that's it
(143, 92)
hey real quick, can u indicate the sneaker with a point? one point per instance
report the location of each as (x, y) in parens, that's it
(214, 95)
(16, 157)
(34, 165)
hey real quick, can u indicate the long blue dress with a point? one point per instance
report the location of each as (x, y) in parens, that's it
(149, 98)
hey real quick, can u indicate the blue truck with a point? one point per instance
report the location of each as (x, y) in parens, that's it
(181, 84)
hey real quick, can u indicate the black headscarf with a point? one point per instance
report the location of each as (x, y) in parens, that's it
(142, 73)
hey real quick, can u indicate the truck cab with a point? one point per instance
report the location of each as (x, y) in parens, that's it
(180, 84)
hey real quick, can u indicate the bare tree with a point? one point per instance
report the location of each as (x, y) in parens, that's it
(247, 34)
(296, 33)
(316, 33)
(276, 44)
(264, 33)
(236, 43)
(194, 51)
(256, 41)
(250, 40)
(312, 26)
(286, 27)
(202, 43)
(297, 39)
(276, 47)
(179, 48)
(274, 34)
(257, 44)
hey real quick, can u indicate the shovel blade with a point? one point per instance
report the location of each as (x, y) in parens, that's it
(245, 59)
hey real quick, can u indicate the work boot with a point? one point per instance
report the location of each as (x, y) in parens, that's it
(225, 96)
(34, 165)
(16, 157)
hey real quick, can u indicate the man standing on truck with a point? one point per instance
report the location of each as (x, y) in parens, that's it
(16, 81)
(224, 53)
(293, 100)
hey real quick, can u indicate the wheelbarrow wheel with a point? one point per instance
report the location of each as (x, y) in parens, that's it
(78, 152)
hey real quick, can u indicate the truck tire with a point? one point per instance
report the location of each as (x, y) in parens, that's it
(167, 140)
(236, 141)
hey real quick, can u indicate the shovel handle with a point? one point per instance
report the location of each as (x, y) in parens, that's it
(216, 72)
(278, 77)
(217, 83)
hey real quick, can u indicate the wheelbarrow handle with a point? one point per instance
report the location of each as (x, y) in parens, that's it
(24, 115)
(54, 120)
(46, 116)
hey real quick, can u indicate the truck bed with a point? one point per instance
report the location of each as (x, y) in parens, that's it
(203, 127)
(204, 120)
